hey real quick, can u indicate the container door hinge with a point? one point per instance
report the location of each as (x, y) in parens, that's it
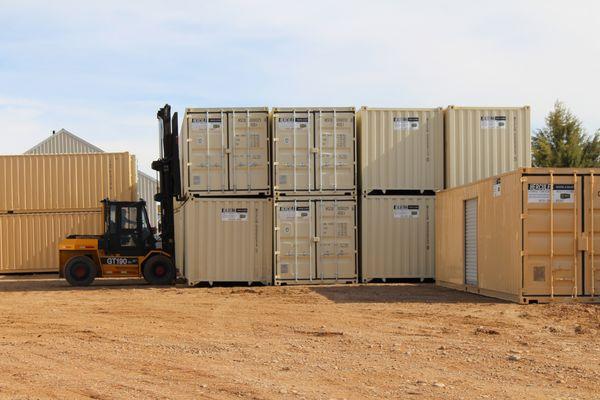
(523, 179)
(316, 239)
(523, 253)
(523, 215)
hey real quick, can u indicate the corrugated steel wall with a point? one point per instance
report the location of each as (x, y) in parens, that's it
(483, 142)
(65, 182)
(227, 240)
(29, 242)
(401, 149)
(146, 191)
(398, 237)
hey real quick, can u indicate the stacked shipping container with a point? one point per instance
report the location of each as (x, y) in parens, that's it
(224, 226)
(315, 185)
(485, 141)
(47, 197)
(402, 165)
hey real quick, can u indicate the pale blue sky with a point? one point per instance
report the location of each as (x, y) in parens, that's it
(102, 69)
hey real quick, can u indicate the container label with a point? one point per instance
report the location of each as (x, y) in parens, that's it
(234, 214)
(406, 123)
(291, 212)
(406, 211)
(540, 193)
(200, 123)
(291, 123)
(496, 122)
(496, 188)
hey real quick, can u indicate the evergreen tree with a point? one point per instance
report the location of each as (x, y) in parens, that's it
(563, 142)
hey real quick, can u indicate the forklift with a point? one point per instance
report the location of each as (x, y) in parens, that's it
(128, 247)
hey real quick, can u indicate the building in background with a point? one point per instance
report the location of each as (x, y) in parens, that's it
(64, 142)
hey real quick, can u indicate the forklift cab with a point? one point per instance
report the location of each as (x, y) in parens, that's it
(127, 230)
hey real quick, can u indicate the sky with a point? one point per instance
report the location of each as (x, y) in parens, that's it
(102, 69)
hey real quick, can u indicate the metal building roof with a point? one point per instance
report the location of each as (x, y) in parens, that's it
(64, 142)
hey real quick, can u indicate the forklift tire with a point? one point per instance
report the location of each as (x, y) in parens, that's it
(80, 271)
(159, 270)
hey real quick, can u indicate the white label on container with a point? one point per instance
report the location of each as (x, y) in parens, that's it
(493, 122)
(406, 123)
(290, 123)
(200, 123)
(291, 212)
(496, 188)
(540, 193)
(196, 180)
(234, 214)
(406, 211)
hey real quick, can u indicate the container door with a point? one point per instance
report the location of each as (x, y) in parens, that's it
(591, 238)
(294, 150)
(207, 152)
(249, 157)
(552, 261)
(335, 159)
(336, 239)
(471, 242)
(295, 241)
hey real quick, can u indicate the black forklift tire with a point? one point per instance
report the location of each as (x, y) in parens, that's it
(159, 270)
(80, 271)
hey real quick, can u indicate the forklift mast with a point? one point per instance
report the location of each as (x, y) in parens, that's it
(169, 175)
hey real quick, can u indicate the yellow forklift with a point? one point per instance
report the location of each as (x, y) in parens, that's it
(128, 247)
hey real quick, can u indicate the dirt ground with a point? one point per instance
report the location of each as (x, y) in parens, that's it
(128, 340)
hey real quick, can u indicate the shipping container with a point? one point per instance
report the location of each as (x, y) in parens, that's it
(397, 237)
(179, 219)
(315, 240)
(227, 240)
(527, 236)
(314, 151)
(483, 142)
(29, 242)
(64, 142)
(65, 181)
(225, 151)
(401, 149)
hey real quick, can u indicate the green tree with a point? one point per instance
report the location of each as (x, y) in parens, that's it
(563, 142)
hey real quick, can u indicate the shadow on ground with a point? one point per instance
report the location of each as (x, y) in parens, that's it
(51, 282)
(369, 293)
(400, 293)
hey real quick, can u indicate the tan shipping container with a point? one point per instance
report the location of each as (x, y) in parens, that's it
(315, 240)
(401, 149)
(225, 151)
(65, 181)
(483, 142)
(29, 242)
(314, 151)
(398, 237)
(179, 218)
(228, 240)
(503, 237)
